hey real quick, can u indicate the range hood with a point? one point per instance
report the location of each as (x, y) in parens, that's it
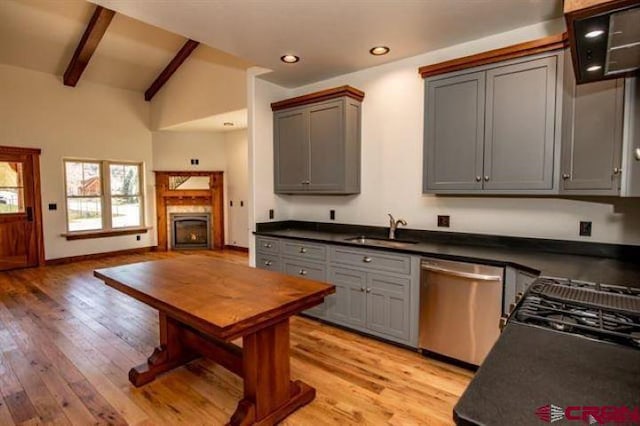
(604, 36)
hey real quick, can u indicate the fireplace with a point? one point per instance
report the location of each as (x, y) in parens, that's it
(190, 230)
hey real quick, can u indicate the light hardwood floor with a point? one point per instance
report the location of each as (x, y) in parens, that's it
(67, 343)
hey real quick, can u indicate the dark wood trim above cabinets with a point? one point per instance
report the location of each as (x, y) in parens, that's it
(96, 28)
(545, 44)
(323, 95)
(171, 68)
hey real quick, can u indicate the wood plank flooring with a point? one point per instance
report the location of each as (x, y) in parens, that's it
(67, 343)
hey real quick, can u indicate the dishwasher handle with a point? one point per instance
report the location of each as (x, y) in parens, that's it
(461, 274)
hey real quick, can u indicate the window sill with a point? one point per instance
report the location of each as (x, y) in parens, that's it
(85, 235)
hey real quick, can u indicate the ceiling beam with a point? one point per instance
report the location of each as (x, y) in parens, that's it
(172, 67)
(88, 43)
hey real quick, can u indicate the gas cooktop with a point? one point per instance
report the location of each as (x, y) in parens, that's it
(599, 311)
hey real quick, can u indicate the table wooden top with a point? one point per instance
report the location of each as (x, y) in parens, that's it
(219, 298)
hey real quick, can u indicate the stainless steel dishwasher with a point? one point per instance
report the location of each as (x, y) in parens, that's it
(460, 308)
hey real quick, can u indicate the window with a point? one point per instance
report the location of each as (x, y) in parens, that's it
(11, 187)
(103, 195)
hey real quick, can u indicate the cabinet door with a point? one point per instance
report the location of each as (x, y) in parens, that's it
(520, 126)
(348, 305)
(388, 305)
(305, 269)
(291, 151)
(326, 145)
(454, 133)
(592, 142)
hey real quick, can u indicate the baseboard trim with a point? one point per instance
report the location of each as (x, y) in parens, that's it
(236, 248)
(72, 259)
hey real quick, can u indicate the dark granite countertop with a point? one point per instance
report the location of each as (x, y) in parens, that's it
(600, 269)
(530, 367)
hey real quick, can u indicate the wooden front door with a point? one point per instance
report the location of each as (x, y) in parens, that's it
(21, 242)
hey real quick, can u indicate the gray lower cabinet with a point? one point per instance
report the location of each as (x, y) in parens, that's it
(454, 133)
(348, 305)
(388, 305)
(520, 126)
(592, 136)
(376, 290)
(317, 148)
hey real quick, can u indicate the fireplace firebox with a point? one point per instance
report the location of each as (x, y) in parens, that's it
(190, 230)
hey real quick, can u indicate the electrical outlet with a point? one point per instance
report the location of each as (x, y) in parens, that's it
(585, 229)
(332, 214)
(137, 237)
(53, 206)
(444, 221)
(271, 214)
(241, 203)
(230, 203)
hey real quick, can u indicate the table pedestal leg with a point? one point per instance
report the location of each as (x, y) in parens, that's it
(170, 354)
(269, 393)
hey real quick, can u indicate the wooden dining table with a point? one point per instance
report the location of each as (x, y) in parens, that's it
(204, 304)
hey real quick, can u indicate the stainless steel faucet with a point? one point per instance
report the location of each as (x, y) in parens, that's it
(393, 225)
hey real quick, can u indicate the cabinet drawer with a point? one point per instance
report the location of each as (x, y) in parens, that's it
(305, 269)
(304, 250)
(375, 260)
(267, 245)
(270, 263)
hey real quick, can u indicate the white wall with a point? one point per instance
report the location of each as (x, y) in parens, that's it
(89, 121)
(260, 94)
(208, 83)
(392, 138)
(216, 151)
(237, 187)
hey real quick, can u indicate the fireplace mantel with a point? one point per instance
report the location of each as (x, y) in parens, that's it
(213, 197)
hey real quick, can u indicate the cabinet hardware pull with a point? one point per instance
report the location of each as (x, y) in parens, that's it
(478, 178)
(302, 272)
(362, 289)
(267, 245)
(366, 259)
(636, 153)
(267, 263)
(566, 176)
(368, 290)
(306, 182)
(617, 170)
(502, 323)
(486, 178)
(303, 250)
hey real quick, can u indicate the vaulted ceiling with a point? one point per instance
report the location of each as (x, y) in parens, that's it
(333, 37)
(43, 34)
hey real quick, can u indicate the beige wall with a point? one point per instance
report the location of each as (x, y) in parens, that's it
(392, 138)
(90, 121)
(216, 151)
(203, 86)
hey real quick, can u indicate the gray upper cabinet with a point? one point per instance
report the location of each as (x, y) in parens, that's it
(520, 126)
(291, 151)
(494, 131)
(317, 144)
(592, 136)
(454, 133)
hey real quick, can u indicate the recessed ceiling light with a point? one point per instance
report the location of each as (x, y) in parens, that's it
(594, 34)
(379, 50)
(227, 124)
(593, 68)
(289, 59)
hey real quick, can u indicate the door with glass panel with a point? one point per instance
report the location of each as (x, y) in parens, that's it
(20, 209)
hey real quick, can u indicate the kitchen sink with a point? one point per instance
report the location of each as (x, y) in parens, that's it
(382, 242)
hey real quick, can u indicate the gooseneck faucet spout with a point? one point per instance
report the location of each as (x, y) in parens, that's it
(393, 225)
